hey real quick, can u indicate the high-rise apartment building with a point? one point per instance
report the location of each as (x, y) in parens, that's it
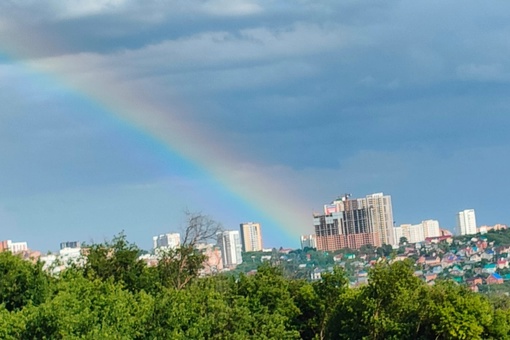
(251, 236)
(381, 216)
(166, 241)
(229, 242)
(352, 223)
(466, 222)
(308, 241)
(344, 224)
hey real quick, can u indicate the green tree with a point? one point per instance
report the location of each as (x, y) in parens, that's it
(454, 312)
(387, 308)
(12, 324)
(329, 289)
(267, 296)
(119, 260)
(21, 282)
(385, 250)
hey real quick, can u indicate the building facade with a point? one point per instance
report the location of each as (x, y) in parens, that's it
(381, 216)
(308, 241)
(466, 222)
(431, 228)
(13, 247)
(70, 244)
(230, 245)
(485, 228)
(352, 223)
(251, 236)
(166, 241)
(415, 233)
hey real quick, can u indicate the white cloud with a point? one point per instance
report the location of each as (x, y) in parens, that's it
(212, 49)
(251, 59)
(231, 7)
(75, 8)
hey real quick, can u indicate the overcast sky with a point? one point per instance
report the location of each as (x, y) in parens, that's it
(302, 101)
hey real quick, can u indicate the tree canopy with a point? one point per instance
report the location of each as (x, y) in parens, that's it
(114, 295)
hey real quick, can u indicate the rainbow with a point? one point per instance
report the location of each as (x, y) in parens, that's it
(244, 189)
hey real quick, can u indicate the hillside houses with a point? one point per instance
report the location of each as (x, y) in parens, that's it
(474, 262)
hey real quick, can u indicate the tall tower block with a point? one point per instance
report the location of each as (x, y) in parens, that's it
(251, 236)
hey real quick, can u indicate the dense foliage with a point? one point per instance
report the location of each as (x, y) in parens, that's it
(116, 296)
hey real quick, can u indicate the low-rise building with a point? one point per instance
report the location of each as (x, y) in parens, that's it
(489, 268)
(13, 247)
(494, 279)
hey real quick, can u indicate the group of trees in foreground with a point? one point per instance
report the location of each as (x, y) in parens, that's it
(114, 295)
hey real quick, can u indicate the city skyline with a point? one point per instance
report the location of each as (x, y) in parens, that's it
(355, 214)
(250, 233)
(122, 115)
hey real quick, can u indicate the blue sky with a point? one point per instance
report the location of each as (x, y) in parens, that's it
(328, 97)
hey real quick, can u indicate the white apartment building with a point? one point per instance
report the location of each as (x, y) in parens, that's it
(415, 233)
(398, 233)
(466, 222)
(431, 228)
(229, 242)
(309, 241)
(14, 247)
(55, 263)
(166, 241)
(412, 232)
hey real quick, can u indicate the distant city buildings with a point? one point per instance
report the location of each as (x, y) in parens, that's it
(415, 233)
(251, 236)
(485, 228)
(308, 241)
(466, 222)
(67, 256)
(13, 247)
(230, 245)
(412, 233)
(213, 262)
(166, 241)
(70, 244)
(352, 223)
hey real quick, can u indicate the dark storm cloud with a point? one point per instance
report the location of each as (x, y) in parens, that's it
(294, 75)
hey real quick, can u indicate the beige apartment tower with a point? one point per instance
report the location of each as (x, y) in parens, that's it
(353, 223)
(251, 236)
